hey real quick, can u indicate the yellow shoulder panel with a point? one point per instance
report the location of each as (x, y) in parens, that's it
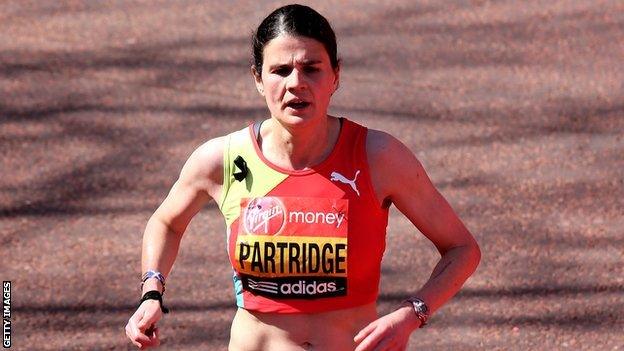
(260, 178)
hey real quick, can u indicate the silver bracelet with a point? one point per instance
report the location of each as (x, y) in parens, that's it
(153, 274)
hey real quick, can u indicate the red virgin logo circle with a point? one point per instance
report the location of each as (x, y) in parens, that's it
(264, 216)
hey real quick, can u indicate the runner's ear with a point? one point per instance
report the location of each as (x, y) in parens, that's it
(257, 80)
(337, 78)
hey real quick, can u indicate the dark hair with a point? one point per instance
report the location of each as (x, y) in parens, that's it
(297, 20)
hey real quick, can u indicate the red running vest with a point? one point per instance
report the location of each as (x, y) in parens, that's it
(302, 241)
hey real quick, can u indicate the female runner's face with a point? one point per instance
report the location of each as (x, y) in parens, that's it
(297, 79)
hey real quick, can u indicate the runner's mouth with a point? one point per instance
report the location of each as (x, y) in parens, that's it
(297, 105)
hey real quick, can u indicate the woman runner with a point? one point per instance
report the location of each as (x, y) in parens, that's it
(305, 197)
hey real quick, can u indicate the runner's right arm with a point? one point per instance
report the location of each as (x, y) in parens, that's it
(200, 181)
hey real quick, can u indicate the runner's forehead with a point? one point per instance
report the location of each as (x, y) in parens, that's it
(287, 50)
(288, 60)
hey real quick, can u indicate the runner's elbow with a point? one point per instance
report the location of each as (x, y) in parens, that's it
(470, 254)
(160, 224)
(473, 251)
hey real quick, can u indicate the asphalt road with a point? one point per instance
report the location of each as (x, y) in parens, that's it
(516, 110)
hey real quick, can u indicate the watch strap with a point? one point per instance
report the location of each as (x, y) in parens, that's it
(154, 295)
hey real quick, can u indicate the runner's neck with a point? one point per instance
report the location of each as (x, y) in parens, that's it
(298, 149)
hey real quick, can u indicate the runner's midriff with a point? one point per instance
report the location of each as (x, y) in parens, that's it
(333, 330)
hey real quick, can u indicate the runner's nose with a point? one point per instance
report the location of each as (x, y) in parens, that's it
(296, 80)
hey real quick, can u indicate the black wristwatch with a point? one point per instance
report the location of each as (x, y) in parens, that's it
(420, 308)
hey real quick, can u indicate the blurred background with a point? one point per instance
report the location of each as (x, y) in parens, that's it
(515, 108)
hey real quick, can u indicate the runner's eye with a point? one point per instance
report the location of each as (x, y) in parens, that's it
(310, 69)
(282, 71)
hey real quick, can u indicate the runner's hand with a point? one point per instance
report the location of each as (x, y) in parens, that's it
(141, 328)
(390, 332)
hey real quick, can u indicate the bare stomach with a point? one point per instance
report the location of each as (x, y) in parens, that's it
(334, 330)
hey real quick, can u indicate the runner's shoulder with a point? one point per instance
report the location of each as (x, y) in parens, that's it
(390, 160)
(383, 147)
(206, 163)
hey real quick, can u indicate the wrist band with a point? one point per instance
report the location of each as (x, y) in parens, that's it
(154, 295)
(153, 274)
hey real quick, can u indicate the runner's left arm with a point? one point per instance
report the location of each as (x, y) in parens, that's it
(413, 193)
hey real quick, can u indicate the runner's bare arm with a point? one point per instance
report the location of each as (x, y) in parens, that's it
(407, 185)
(200, 181)
(399, 177)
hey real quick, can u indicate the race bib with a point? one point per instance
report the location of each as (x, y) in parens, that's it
(293, 247)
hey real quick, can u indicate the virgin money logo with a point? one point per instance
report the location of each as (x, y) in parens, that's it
(264, 215)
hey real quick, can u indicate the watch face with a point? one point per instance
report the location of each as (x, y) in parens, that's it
(420, 306)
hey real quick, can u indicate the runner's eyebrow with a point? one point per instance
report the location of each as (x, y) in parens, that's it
(304, 63)
(311, 62)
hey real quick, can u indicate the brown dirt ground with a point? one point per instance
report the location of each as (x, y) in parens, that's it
(516, 109)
